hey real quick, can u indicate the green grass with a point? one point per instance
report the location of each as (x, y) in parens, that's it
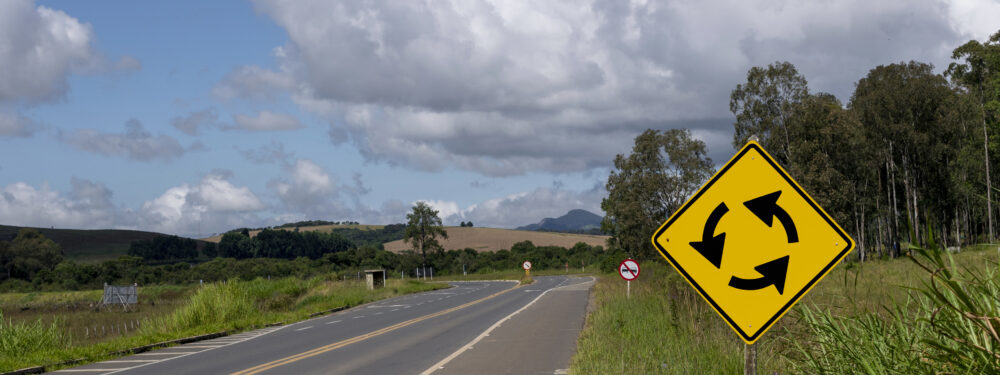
(862, 318)
(167, 313)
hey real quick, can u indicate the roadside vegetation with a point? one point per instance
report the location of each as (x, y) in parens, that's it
(904, 166)
(41, 333)
(889, 316)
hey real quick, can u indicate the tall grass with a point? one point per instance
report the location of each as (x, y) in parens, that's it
(24, 337)
(948, 325)
(934, 313)
(663, 328)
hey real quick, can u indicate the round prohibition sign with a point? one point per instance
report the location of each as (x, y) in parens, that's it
(628, 269)
(526, 265)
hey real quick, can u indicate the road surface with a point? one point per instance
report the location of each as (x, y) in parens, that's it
(474, 327)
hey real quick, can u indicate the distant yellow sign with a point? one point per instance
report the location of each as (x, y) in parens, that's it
(752, 242)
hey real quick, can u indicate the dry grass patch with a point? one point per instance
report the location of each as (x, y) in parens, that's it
(493, 239)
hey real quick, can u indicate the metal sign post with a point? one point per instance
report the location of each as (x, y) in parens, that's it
(527, 268)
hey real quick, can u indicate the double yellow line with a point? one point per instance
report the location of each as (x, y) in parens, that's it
(340, 344)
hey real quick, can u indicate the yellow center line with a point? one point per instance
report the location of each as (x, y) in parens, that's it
(340, 344)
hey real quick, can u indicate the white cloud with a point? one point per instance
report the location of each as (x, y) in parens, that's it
(16, 125)
(976, 19)
(252, 82)
(445, 209)
(309, 189)
(265, 120)
(196, 121)
(505, 88)
(135, 143)
(88, 205)
(269, 153)
(39, 47)
(212, 205)
(128, 64)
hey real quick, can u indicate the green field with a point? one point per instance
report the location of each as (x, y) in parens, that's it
(666, 327)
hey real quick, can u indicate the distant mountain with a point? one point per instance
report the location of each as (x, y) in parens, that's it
(575, 221)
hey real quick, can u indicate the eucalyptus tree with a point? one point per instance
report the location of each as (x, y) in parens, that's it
(764, 104)
(903, 108)
(648, 185)
(979, 75)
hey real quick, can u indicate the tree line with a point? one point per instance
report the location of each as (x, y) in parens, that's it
(907, 160)
(32, 262)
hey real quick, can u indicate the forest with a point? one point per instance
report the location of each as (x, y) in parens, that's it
(908, 160)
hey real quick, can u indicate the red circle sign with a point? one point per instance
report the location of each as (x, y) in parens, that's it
(526, 265)
(628, 269)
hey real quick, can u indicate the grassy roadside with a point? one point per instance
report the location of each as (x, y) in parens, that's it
(231, 306)
(667, 328)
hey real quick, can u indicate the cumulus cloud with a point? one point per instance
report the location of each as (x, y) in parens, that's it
(309, 188)
(194, 122)
(212, 205)
(135, 143)
(39, 48)
(16, 125)
(506, 88)
(88, 205)
(265, 120)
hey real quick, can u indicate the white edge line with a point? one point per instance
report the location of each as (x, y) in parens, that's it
(487, 332)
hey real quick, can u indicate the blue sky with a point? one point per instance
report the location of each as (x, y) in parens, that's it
(198, 117)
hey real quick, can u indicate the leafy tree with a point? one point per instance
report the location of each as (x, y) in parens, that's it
(469, 224)
(764, 104)
(423, 227)
(236, 245)
(648, 185)
(29, 253)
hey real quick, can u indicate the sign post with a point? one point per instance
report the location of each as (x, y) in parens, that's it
(527, 268)
(629, 270)
(752, 243)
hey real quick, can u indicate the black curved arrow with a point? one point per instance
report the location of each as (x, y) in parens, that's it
(766, 208)
(774, 273)
(711, 245)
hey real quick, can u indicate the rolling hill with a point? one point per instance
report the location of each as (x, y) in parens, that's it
(87, 245)
(572, 221)
(319, 228)
(492, 239)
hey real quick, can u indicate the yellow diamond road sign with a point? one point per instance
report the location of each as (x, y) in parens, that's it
(752, 242)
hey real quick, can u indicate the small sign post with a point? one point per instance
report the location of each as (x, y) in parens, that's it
(629, 270)
(527, 268)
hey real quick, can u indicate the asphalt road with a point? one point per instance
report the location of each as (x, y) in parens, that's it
(473, 327)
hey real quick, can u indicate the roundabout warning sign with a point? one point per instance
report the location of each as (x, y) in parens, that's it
(752, 242)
